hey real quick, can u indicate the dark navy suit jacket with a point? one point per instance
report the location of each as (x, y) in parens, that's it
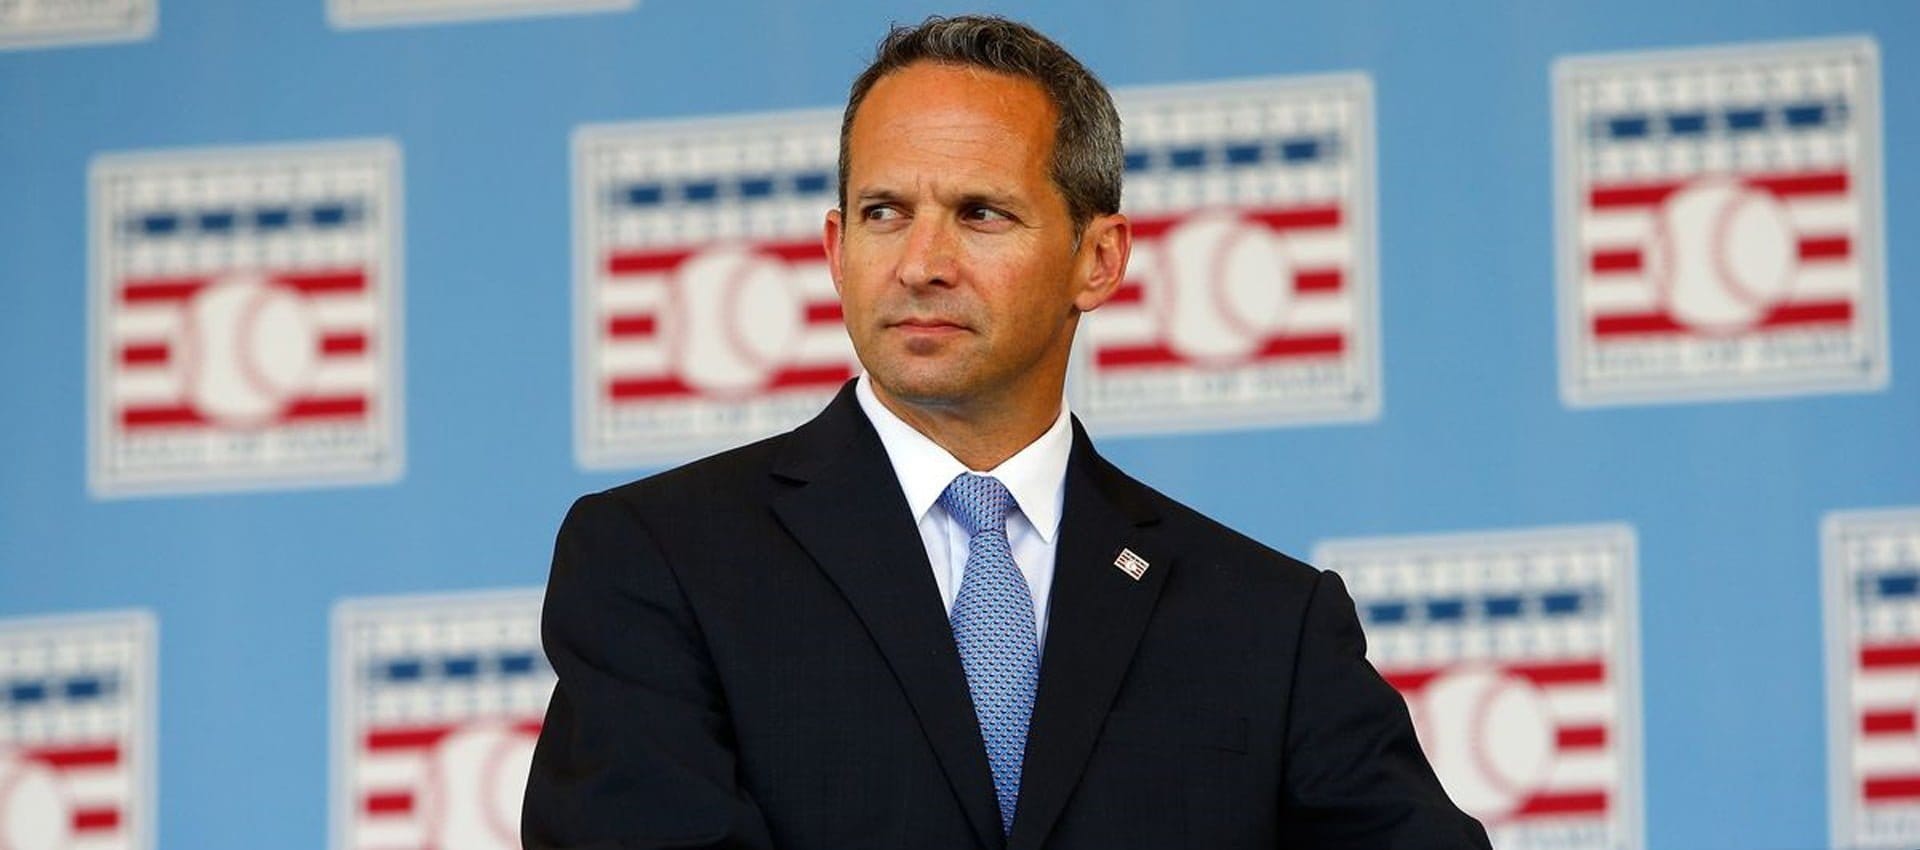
(752, 653)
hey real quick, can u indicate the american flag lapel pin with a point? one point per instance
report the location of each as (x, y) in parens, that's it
(1133, 565)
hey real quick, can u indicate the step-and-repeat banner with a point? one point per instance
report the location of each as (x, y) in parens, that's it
(1647, 308)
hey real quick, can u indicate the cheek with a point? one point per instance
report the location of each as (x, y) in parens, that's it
(866, 285)
(861, 306)
(1032, 291)
(856, 283)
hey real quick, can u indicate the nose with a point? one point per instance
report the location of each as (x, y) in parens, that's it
(929, 257)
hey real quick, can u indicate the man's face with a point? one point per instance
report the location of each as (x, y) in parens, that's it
(956, 261)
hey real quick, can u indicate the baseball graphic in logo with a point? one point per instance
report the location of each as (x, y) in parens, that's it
(706, 312)
(437, 704)
(1720, 223)
(1250, 293)
(76, 732)
(1872, 567)
(1498, 739)
(245, 319)
(1514, 651)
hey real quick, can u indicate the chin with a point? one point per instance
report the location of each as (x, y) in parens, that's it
(924, 383)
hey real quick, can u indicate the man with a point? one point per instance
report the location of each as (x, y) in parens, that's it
(934, 617)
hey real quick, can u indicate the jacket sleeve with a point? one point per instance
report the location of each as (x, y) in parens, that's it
(1354, 775)
(636, 751)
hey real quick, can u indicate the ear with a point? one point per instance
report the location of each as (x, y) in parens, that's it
(831, 241)
(1104, 247)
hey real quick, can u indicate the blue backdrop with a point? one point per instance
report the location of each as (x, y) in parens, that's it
(1726, 497)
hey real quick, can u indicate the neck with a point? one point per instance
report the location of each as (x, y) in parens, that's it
(981, 435)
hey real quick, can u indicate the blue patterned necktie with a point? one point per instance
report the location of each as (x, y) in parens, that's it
(994, 628)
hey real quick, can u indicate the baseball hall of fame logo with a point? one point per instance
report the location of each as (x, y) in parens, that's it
(77, 732)
(437, 702)
(1250, 293)
(1516, 654)
(1873, 677)
(706, 315)
(245, 318)
(44, 23)
(1720, 223)
(373, 13)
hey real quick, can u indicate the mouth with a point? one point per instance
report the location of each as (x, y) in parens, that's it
(927, 326)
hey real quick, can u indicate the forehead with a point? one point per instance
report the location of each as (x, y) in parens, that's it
(943, 111)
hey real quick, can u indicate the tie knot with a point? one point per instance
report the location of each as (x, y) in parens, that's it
(979, 502)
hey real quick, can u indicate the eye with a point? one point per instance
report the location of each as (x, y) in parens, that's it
(879, 212)
(982, 214)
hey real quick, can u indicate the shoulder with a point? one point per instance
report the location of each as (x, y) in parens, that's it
(675, 518)
(729, 475)
(734, 477)
(747, 475)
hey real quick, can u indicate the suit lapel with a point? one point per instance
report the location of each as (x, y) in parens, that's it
(844, 505)
(1097, 616)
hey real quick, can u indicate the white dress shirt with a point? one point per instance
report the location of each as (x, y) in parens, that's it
(1035, 475)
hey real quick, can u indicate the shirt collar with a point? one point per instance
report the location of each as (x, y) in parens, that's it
(1035, 476)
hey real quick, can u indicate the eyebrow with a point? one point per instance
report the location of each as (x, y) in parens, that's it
(991, 199)
(1004, 200)
(881, 194)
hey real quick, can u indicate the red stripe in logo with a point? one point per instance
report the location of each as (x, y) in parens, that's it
(809, 376)
(1890, 655)
(299, 410)
(95, 820)
(1897, 722)
(1572, 803)
(1561, 672)
(1291, 218)
(407, 738)
(1793, 185)
(1133, 292)
(1825, 248)
(1580, 737)
(1303, 346)
(318, 282)
(391, 803)
(627, 389)
(148, 290)
(1303, 218)
(656, 260)
(1314, 345)
(170, 416)
(341, 344)
(1779, 185)
(1615, 262)
(1410, 681)
(1318, 280)
(64, 758)
(146, 354)
(1891, 788)
(338, 407)
(1782, 316)
(824, 312)
(325, 282)
(644, 262)
(621, 327)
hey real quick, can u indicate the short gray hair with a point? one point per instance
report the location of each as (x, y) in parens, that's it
(1087, 159)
